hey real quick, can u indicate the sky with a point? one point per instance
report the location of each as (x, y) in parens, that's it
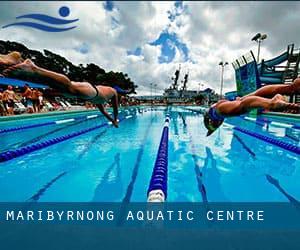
(148, 40)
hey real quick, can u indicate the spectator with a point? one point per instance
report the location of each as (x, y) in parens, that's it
(27, 95)
(41, 100)
(9, 98)
(3, 110)
(35, 100)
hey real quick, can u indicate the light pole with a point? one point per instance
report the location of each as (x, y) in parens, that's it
(155, 85)
(259, 38)
(222, 64)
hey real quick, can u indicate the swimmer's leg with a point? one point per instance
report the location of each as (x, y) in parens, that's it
(282, 89)
(64, 82)
(247, 103)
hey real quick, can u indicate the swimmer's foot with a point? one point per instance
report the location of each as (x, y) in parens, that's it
(296, 85)
(27, 66)
(279, 104)
(10, 59)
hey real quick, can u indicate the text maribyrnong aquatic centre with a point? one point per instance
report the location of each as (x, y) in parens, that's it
(130, 215)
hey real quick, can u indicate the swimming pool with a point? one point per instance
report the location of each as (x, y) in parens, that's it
(115, 165)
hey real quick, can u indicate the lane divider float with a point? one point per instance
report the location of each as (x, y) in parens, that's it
(157, 191)
(11, 154)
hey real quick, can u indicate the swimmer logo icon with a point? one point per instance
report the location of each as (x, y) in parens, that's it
(57, 24)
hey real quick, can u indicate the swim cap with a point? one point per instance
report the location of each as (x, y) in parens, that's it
(211, 124)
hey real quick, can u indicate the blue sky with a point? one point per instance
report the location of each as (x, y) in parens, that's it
(168, 41)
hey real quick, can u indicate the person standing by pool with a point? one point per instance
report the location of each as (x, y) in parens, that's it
(35, 100)
(9, 98)
(3, 110)
(96, 94)
(268, 97)
(41, 100)
(28, 101)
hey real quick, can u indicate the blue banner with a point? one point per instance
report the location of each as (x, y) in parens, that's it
(242, 216)
(247, 79)
(149, 226)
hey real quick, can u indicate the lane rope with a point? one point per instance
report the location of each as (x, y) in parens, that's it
(157, 191)
(11, 154)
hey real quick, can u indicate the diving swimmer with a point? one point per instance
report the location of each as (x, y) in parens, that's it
(267, 97)
(96, 94)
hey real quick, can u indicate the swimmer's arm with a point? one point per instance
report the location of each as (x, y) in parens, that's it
(115, 105)
(104, 112)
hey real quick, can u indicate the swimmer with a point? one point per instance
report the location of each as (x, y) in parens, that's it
(268, 97)
(96, 94)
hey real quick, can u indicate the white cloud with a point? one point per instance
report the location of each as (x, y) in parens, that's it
(212, 31)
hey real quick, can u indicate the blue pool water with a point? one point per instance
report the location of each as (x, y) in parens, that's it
(110, 164)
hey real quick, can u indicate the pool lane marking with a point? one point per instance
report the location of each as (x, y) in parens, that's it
(93, 116)
(281, 144)
(250, 119)
(58, 122)
(11, 154)
(261, 121)
(38, 138)
(104, 178)
(276, 184)
(244, 145)
(136, 167)
(65, 121)
(40, 192)
(197, 167)
(90, 143)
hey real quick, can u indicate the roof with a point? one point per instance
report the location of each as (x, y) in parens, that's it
(18, 83)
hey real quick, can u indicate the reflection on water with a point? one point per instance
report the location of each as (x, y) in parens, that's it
(110, 188)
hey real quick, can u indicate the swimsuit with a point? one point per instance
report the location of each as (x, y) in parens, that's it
(120, 91)
(97, 93)
(214, 115)
(116, 88)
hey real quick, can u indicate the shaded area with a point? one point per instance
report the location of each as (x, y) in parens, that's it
(39, 193)
(108, 190)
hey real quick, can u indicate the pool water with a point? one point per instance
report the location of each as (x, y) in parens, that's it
(115, 165)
